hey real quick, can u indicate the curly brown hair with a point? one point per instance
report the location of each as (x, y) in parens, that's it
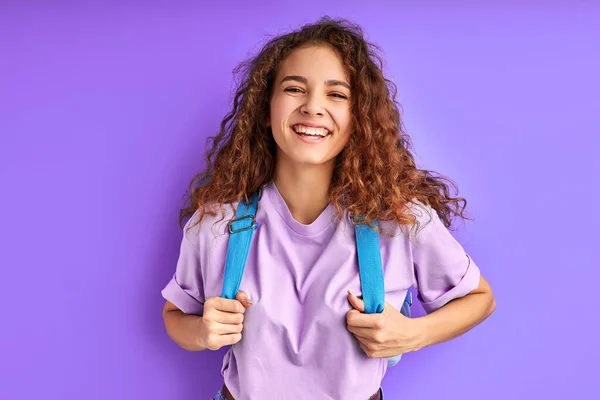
(375, 174)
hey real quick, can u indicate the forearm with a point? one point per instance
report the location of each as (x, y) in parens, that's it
(184, 329)
(456, 317)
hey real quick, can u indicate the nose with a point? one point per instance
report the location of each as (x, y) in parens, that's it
(312, 106)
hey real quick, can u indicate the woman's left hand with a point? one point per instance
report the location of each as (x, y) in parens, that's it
(385, 334)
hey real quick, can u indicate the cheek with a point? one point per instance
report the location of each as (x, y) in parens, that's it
(273, 113)
(346, 122)
(345, 139)
(280, 106)
(278, 118)
(346, 130)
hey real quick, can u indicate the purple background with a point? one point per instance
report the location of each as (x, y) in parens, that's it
(104, 110)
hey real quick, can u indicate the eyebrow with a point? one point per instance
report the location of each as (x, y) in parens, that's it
(301, 79)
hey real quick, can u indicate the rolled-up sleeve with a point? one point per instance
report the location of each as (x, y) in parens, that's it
(443, 270)
(186, 288)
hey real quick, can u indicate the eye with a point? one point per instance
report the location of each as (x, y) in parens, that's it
(293, 90)
(338, 95)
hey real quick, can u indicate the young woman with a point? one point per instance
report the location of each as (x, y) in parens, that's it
(316, 133)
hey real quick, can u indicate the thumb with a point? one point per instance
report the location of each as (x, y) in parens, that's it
(243, 298)
(357, 303)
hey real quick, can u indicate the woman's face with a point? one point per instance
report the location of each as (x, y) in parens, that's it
(310, 112)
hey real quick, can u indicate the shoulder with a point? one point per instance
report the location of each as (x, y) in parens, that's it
(212, 225)
(425, 219)
(425, 215)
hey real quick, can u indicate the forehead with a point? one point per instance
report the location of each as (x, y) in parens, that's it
(315, 61)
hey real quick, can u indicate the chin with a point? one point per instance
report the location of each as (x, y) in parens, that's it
(302, 156)
(311, 161)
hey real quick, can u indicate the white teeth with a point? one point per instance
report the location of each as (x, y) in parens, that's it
(310, 131)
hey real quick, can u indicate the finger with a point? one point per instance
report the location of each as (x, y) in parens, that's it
(358, 319)
(227, 329)
(371, 349)
(243, 298)
(365, 342)
(365, 333)
(226, 340)
(227, 317)
(365, 349)
(228, 305)
(357, 303)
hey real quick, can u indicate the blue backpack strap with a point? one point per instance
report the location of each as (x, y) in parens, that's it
(240, 236)
(371, 276)
(370, 268)
(371, 271)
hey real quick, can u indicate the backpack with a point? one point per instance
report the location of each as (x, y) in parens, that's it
(369, 261)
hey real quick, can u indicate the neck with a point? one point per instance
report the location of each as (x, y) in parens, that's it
(305, 189)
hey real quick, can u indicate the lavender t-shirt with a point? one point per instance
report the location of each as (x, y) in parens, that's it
(295, 344)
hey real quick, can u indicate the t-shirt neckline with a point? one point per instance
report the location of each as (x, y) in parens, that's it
(318, 225)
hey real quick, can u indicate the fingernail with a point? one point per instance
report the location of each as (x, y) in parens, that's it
(349, 292)
(249, 301)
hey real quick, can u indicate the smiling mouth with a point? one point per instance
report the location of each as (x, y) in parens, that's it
(303, 130)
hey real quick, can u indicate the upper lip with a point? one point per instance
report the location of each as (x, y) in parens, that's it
(311, 125)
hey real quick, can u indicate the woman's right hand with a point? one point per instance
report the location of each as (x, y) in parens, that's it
(223, 321)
